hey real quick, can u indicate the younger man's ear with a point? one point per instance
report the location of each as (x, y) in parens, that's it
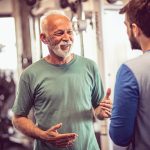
(136, 30)
(43, 38)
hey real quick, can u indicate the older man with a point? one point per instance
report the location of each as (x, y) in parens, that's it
(63, 88)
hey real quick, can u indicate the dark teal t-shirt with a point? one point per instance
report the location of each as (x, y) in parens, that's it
(62, 94)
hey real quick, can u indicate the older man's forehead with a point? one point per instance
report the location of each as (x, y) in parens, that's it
(60, 22)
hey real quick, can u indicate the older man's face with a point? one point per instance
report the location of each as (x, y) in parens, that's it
(60, 37)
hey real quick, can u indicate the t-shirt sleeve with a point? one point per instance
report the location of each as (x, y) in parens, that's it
(125, 105)
(24, 97)
(98, 91)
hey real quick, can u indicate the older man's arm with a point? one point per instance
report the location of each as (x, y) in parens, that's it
(26, 126)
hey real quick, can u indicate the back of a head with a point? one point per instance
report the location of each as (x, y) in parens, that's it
(138, 12)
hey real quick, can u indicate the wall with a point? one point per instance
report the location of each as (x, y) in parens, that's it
(5, 7)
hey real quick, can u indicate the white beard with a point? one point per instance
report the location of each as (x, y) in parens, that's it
(62, 53)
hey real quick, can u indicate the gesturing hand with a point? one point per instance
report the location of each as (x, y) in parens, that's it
(106, 105)
(58, 140)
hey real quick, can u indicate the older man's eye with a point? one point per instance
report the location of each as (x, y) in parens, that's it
(58, 33)
(70, 32)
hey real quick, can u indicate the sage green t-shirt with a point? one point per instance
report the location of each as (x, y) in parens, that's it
(62, 94)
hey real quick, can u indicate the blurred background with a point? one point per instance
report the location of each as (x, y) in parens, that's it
(100, 34)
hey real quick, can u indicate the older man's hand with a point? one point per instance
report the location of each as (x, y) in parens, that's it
(59, 140)
(105, 107)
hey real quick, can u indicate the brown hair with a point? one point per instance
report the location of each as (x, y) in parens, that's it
(138, 12)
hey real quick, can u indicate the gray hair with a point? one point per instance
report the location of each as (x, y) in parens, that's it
(52, 12)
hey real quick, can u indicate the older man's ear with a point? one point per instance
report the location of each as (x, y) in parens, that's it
(43, 38)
